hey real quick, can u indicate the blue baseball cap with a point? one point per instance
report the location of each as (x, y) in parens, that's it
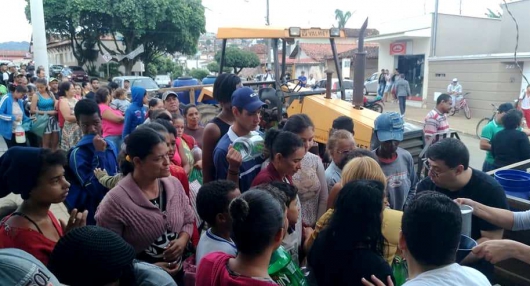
(247, 99)
(18, 267)
(389, 126)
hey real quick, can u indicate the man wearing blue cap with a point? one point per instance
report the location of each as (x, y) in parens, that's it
(397, 163)
(229, 165)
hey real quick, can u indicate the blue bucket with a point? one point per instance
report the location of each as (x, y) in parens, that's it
(514, 182)
(464, 248)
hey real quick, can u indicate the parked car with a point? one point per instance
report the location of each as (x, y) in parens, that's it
(163, 80)
(143, 81)
(78, 73)
(55, 70)
(371, 84)
(348, 87)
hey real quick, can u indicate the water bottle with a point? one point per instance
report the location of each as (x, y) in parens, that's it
(249, 147)
(20, 134)
(283, 270)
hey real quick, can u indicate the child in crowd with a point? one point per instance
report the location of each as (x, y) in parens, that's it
(287, 194)
(212, 204)
(258, 222)
(120, 102)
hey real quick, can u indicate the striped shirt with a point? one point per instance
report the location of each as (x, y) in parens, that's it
(435, 122)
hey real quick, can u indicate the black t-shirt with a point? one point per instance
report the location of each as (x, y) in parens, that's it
(509, 147)
(480, 188)
(330, 266)
(91, 95)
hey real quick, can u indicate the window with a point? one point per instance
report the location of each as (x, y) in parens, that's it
(146, 83)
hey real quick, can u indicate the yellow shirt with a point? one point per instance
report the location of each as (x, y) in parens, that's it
(390, 228)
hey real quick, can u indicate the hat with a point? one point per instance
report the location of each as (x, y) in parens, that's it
(505, 107)
(16, 175)
(247, 99)
(389, 126)
(455, 79)
(18, 267)
(10, 65)
(53, 79)
(91, 255)
(168, 93)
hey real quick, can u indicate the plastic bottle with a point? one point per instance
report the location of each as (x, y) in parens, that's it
(249, 147)
(283, 270)
(20, 134)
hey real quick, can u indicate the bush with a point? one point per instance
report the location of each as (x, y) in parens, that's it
(114, 69)
(199, 73)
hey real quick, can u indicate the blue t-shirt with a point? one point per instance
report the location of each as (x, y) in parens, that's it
(248, 170)
(302, 80)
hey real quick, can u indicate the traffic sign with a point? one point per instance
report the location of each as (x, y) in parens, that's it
(107, 57)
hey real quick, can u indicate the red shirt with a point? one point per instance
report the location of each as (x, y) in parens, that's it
(29, 240)
(270, 174)
(213, 271)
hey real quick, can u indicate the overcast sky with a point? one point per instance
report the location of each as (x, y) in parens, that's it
(285, 13)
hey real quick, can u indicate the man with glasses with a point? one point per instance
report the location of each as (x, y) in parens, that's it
(450, 174)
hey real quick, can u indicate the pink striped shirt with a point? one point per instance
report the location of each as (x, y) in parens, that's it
(126, 211)
(435, 122)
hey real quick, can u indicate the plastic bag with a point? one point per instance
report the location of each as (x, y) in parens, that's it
(400, 270)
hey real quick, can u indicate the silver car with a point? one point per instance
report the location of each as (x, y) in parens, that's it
(371, 84)
(348, 87)
(142, 81)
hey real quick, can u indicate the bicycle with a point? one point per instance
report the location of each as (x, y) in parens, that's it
(484, 121)
(461, 105)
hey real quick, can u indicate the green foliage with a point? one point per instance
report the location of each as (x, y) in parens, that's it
(113, 69)
(493, 15)
(213, 67)
(342, 18)
(164, 65)
(199, 73)
(162, 26)
(238, 59)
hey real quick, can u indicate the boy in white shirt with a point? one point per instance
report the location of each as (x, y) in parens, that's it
(212, 202)
(429, 239)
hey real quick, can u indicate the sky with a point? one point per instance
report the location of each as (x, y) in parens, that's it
(287, 13)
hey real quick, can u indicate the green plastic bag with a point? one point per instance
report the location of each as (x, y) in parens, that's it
(40, 124)
(195, 175)
(400, 270)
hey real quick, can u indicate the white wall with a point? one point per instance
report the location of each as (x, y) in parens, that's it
(462, 35)
(520, 10)
(526, 72)
(385, 60)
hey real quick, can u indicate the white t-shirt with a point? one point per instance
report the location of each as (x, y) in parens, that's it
(525, 101)
(210, 242)
(450, 275)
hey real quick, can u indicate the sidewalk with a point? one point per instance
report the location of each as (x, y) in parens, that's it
(417, 115)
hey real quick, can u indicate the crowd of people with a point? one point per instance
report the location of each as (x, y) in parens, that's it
(157, 199)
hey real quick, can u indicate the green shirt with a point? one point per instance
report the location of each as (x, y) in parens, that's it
(488, 132)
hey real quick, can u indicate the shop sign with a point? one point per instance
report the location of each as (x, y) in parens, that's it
(399, 48)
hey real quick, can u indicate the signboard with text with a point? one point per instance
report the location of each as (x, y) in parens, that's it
(398, 48)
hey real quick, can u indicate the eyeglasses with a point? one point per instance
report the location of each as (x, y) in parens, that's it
(431, 171)
(342, 152)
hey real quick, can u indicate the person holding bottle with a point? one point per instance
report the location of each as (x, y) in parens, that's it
(229, 164)
(12, 115)
(258, 226)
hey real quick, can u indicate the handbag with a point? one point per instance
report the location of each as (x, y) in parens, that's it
(39, 125)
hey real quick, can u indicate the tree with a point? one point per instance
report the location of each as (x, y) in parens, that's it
(213, 67)
(238, 59)
(493, 15)
(164, 65)
(342, 18)
(162, 26)
(199, 73)
(80, 22)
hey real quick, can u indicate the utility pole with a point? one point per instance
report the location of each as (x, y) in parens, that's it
(434, 31)
(40, 50)
(267, 22)
(460, 7)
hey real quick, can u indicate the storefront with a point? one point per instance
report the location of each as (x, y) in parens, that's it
(406, 51)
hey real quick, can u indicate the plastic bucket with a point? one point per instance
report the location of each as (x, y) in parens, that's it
(184, 96)
(514, 182)
(464, 248)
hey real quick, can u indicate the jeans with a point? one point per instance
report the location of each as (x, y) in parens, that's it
(486, 167)
(402, 104)
(116, 139)
(381, 90)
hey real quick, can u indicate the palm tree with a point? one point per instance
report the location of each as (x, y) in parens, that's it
(342, 18)
(493, 15)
